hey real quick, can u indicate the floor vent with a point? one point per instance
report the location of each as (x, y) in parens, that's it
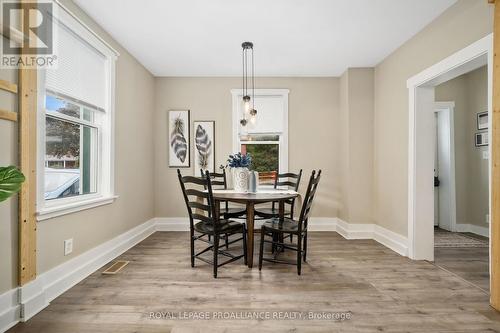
(116, 267)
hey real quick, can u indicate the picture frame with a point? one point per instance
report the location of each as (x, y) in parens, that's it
(179, 136)
(482, 120)
(204, 146)
(481, 139)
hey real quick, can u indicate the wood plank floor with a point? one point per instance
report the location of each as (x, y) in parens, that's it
(381, 290)
(470, 263)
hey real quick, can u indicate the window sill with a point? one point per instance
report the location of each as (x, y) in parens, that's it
(68, 208)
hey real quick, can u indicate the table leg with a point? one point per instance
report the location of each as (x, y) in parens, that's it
(250, 221)
(282, 219)
(217, 209)
(282, 211)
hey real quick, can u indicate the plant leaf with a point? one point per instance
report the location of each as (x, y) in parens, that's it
(10, 181)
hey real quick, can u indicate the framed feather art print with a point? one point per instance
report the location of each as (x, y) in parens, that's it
(204, 143)
(179, 136)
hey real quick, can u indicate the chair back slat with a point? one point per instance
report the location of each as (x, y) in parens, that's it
(218, 179)
(198, 205)
(288, 179)
(290, 175)
(203, 218)
(286, 183)
(308, 200)
(197, 192)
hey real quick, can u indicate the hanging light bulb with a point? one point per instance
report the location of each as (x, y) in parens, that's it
(247, 108)
(253, 120)
(246, 104)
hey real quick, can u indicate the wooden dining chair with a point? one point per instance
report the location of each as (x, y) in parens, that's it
(204, 220)
(282, 181)
(288, 226)
(219, 182)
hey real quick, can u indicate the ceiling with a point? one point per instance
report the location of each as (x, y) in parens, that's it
(291, 37)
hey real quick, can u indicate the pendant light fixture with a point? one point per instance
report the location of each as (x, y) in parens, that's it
(249, 111)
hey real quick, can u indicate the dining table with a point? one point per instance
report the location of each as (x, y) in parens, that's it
(250, 200)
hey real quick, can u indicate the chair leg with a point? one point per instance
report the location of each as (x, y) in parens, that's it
(305, 246)
(245, 244)
(216, 253)
(299, 254)
(261, 247)
(275, 239)
(227, 242)
(192, 248)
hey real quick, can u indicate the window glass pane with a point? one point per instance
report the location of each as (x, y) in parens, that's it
(70, 159)
(265, 157)
(260, 137)
(62, 106)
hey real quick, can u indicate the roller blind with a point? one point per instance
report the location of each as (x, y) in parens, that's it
(270, 115)
(81, 69)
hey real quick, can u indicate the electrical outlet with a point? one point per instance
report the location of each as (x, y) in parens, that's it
(486, 154)
(68, 246)
(487, 218)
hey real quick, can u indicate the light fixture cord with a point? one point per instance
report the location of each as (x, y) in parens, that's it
(253, 84)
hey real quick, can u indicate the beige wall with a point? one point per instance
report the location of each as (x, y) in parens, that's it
(356, 145)
(8, 208)
(462, 24)
(470, 94)
(133, 172)
(323, 114)
(313, 132)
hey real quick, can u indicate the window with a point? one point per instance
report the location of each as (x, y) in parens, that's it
(266, 139)
(71, 132)
(75, 139)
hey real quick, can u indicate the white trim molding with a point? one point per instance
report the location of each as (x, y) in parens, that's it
(59, 210)
(37, 294)
(474, 229)
(421, 138)
(390, 239)
(10, 310)
(104, 125)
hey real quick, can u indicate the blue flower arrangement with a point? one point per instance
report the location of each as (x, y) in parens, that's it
(239, 160)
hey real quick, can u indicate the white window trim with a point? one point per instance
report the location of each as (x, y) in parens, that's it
(237, 95)
(105, 182)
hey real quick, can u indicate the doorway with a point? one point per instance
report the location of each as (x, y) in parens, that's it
(422, 139)
(444, 167)
(462, 200)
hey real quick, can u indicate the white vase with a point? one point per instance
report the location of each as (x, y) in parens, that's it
(240, 179)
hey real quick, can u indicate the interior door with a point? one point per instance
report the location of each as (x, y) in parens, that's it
(443, 193)
(436, 176)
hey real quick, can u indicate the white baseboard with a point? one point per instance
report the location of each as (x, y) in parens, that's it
(182, 224)
(37, 294)
(172, 223)
(10, 310)
(392, 240)
(475, 229)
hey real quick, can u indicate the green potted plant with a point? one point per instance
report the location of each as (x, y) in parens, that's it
(11, 180)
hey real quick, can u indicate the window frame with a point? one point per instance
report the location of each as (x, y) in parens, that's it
(105, 193)
(237, 95)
